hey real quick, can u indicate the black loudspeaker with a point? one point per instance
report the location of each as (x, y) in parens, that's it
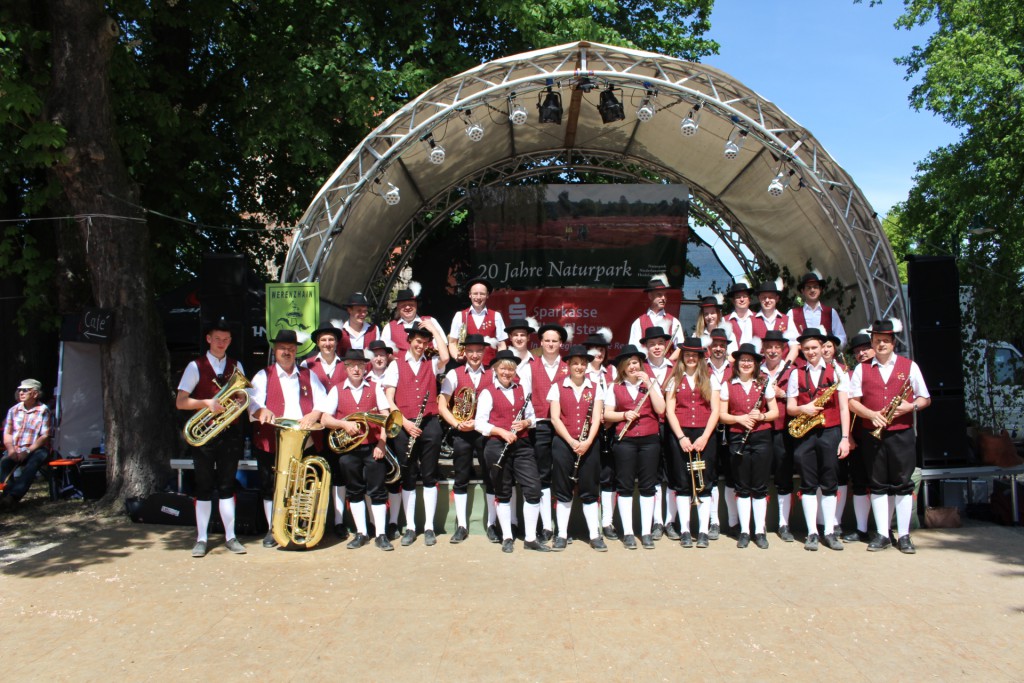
(942, 433)
(939, 355)
(933, 284)
(222, 293)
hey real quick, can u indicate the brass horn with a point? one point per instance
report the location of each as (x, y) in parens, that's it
(341, 441)
(301, 491)
(205, 425)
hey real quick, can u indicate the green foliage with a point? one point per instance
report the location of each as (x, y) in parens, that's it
(899, 240)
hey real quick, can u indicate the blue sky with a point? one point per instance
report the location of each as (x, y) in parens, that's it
(829, 65)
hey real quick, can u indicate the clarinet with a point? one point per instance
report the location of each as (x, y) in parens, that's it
(584, 433)
(760, 397)
(501, 456)
(417, 422)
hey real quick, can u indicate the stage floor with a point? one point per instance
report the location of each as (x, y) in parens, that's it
(129, 602)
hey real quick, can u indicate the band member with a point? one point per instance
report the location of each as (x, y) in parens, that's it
(860, 348)
(602, 376)
(394, 333)
(576, 408)
(656, 343)
(356, 333)
(282, 390)
(636, 400)
(813, 313)
(774, 346)
(877, 385)
(816, 454)
(656, 316)
(504, 416)
(519, 331)
(477, 319)
(748, 407)
(741, 320)
(380, 359)
(771, 318)
(691, 410)
(410, 384)
(216, 461)
(830, 354)
(330, 372)
(718, 343)
(466, 442)
(545, 372)
(364, 467)
(711, 319)
(379, 362)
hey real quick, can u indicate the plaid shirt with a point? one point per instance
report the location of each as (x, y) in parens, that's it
(27, 425)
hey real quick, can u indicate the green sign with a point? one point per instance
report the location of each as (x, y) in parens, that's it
(294, 306)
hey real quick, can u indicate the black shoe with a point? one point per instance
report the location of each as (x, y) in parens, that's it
(714, 531)
(358, 541)
(598, 545)
(629, 540)
(545, 536)
(560, 543)
(702, 540)
(429, 537)
(853, 536)
(392, 532)
(383, 543)
(268, 540)
(342, 531)
(492, 534)
(647, 541)
(536, 545)
(905, 545)
(761, 541)
(507, 545)
(671, 533)
(686, 540)
(831, 541)
(409, 537)
(785, 534)
(812, 542)
(743, 540)
(878, 542)
(658, 531)
(460, 535)
(609, 533)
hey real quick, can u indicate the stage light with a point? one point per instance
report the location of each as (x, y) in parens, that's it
(392, 196)
(436, 151)
(516, 112)
(734, 143)
(691, 123)
(780, 182)
(474, 131)
(585, 85)
(647, 110)
(551, 109)
(610, 108)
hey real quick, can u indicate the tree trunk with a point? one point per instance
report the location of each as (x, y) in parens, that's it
(138, 403)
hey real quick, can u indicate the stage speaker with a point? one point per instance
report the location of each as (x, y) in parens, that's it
(222, 293)
(939, 354)
(942, 433)
(933, 286)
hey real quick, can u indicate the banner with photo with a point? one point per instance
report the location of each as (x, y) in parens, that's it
(579, 235)
(294, 306)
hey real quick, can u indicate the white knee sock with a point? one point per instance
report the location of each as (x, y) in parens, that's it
(904, 509)
(531, 511)
(785, 505)
(880, 508)
(626, 514)
(204, 510)
(607, 508)
(268, 510)
(861, 508)
(647, 505)
(227, 516)
(840, 504)
(828, 511)
(503, 512)
(339, 504)
(562, 511)
(671, 507)
(703, 515)
(743, 513)
(545, 509)
(358, 510)
(716, 496)
(380, 518)
(429, 507)
(730, 505)
(394, 506)
(760, 508)
(810, 506)
(590, 514)
(659, 516)
(409, 503)
(492, 509)
(461, 501)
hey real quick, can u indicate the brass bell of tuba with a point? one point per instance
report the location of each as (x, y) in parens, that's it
(301, 491)
(341, 441)
(205, 425)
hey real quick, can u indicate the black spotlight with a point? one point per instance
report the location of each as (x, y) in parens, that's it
(585, 85)
(551, 109)
(610, 108)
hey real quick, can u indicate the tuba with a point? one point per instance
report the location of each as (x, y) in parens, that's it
(205, 425)
(301, 491)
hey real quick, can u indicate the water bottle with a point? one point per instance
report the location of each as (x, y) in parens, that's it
(247, 449)
(103, 444)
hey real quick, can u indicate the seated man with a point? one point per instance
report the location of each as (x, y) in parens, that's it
(26, 442)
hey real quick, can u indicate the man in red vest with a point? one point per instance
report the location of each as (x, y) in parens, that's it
(216, 461)
(356, 333)
(287, 391)
(477, 319)
(657, 316)
(408, 305)
(546, 371)
(889, 380)
(741, 320)
(813, 313)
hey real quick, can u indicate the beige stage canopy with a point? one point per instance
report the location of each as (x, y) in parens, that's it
(354, 237)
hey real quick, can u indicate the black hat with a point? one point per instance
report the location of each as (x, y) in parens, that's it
(354, 354)
(812, 333)
(858, 340)
(836, 341)
(477, 339)
(504, 354)
(519, 324)
(693, 344)
(479, 281)
(407, 294)
(813, 276)
(657, 283)
(739, 286)
(890, 326)
(326, 329)
(285, 337)
(748, 349)
(562, 332)
(719, 334)
(656, 332)
(356, 299)
(628, 351)
(578, 350)
(603, 337)
(418, 329)
(774, 336)
(713, 301)
(770, 287)
(221, 324)
(379, 344)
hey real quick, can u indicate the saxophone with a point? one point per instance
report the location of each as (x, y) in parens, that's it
(890, 410)
(803, 423)
(300, 490)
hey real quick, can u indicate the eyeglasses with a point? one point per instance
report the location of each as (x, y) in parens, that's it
(20, 390)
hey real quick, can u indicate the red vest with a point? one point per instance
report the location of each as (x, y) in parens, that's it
(542, 385)
(207, 386)
(726, 374)
(645, 322)
(572, 412)
(779, 423)
(462, 379)
(412, 387)
(487, 329)
(648, 422)
(345, 343)
(264, 437)
(808, 392)
(742, 402)
(367, 404)
(503, 413)
(691, 408)
(760, 327)
(316, 366)
(399, 338)
(878, 394)
(737, 332)
(801, 322)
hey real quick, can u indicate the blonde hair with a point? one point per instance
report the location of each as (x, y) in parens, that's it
(702, 376)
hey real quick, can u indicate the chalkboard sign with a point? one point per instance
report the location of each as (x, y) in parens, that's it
(96, 325)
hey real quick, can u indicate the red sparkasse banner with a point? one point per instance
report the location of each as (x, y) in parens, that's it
(586, 309)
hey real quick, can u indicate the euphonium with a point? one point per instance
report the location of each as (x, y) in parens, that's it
(803, 423)
(341, 441)
(301, 491)
(205, 425)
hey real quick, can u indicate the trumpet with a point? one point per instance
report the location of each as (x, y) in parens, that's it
(341, 441)
(205, 425)
(696, 466)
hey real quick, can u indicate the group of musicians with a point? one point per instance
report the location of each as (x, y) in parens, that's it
(748, 397)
